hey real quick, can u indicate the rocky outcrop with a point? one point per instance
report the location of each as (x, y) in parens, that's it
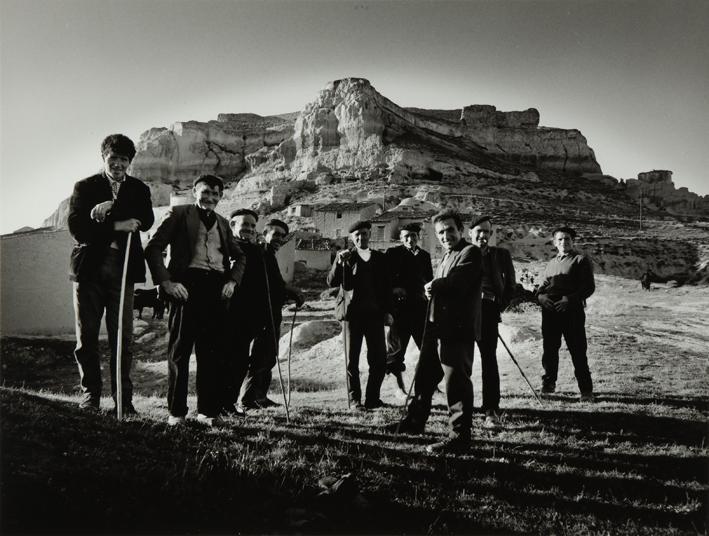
(657, 191)
(178, 154)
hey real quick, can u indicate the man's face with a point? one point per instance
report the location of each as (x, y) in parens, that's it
(409, 239)
(275, 237)
(115, 165)
(244, 227)
(480, 234)
(563, 242)
(360, 238)
(207, 197)
(448, 233)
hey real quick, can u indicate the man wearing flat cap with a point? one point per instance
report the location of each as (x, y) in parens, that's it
(410, 269)
(498, 284)
(567, 283)
(364, 306)
(264, 352)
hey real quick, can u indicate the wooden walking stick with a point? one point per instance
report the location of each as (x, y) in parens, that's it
(119, 342)
(290, 348)
(416, 369)
(344, 335)
(520, 370)
(275, 341)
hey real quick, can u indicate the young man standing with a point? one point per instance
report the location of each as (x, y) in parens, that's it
(103, 210)
(454, 326)
(567, 283)
(410, 269)
(275, 293)
(498, 284)
(363, 277)
(199, 281)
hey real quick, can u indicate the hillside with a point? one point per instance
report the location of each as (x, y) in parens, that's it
(633, 463)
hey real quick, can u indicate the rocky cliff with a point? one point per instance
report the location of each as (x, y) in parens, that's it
(657, 191)
(351, 130)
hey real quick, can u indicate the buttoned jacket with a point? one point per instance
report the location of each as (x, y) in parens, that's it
(179, 230)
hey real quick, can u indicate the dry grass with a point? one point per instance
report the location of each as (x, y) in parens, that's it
(633, 463)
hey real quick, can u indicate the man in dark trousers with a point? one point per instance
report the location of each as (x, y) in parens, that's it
(567, 283)
(274, 294)
(454, 326)
(103, 210)
(206, 265)
(498, 285)
(410, 269)
(248, 308)
(363, 278)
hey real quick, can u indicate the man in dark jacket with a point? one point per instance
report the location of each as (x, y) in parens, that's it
(274, 293)
(103, 210)
(567, 283)
(410, 269)
(365, 289)
(454, 326)
(199, 281)
(498, 284)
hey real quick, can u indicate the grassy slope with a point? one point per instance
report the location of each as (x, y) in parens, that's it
(635, 462)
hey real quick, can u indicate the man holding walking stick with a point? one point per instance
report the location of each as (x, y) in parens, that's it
(274, 293)
(454, 326)
(498, 283)
(364, 305)
(103, 210)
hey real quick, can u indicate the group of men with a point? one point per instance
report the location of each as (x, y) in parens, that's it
(446, 314)
(225, 289)
(226, 293)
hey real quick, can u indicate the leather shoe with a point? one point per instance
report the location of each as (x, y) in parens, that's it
(233, 410)
(405, 427)
(212, 422)
(375, 404)
(450, 445)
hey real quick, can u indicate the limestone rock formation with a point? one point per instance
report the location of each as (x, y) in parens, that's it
(178, 154)
(657, 191)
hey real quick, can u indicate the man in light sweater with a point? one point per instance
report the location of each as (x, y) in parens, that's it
(567, 283)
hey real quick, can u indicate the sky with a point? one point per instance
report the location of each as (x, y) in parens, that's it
(633, 77)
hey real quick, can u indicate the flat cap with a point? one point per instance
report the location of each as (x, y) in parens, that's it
(278, 223)
(411, 228)
(356, 226)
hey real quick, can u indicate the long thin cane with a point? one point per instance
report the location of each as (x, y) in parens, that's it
(520, 369)
(416, 369)
(290, 349)
(344, 335)
(119, 342)
(275, 342)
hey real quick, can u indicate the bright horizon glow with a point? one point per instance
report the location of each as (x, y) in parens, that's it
(631, 76)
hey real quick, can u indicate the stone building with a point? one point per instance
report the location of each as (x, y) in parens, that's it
(333, 219)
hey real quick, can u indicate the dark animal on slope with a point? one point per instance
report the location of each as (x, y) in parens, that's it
(143, 297)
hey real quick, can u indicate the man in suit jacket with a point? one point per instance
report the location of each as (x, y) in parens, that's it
(498, 284)
(103, 210)
(363, 278)
(198, 281)
(264, 352)
(410, 269)
(454, 326)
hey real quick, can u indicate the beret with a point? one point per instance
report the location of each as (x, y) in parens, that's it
(356, 226)
(411, 227)
(480, 220)
(277, 223)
